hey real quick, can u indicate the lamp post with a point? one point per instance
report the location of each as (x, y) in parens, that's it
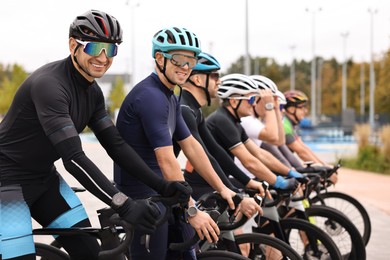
(372, 73)
(292, 69)
(247, 62)
(313, 68)
(344, 78)
(362, 92)
(132, 40)
(319, 93)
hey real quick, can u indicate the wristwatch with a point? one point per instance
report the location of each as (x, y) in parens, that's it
(192, 211)
(269, 106)
(118, 200)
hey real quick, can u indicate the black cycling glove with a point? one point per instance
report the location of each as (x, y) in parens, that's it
(142, 214)
(180, 189)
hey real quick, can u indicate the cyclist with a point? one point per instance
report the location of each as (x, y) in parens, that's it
(51, 107)
(265, 124)
(239, 94)
(149, 119)
(200, 87)
(282, 152)
(295, 111)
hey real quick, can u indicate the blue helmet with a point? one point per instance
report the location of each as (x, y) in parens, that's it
(175, 38)
(206, 63)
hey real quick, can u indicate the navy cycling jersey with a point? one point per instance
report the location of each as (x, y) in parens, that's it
(52, 106)
(220, 160)
(226, 129)
(149, 118)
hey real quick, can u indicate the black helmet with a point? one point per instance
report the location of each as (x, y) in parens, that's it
(97, 26)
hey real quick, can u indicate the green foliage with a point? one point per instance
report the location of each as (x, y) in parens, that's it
(369, 158)
(10, 80)
(117, 94)
(331, 80)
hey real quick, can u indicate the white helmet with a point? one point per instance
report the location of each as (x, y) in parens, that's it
(265, 83)
(236, 84)
(281, 98)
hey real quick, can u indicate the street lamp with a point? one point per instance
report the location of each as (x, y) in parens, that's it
(344, 79)
(362, 92)
(132, 40)
(319, 96)
(292, 69)
(313, 68)
(372, 73)
(247, 61)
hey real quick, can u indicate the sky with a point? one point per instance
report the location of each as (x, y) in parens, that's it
(35, 32)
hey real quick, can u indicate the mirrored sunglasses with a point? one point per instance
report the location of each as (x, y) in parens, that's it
(95, 48)
(251, 100)
(181, 60)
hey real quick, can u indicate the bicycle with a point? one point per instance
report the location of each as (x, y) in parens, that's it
(351, 207)
(330, 220)
(261, 246)
(115, 236)
(308, 240)
(113, 247)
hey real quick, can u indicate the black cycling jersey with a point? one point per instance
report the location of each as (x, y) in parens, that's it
(226, 129)
(220, 160)
(49, 110)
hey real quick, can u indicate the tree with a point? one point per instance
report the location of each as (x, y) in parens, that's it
(10, 80)
(382, 88)
(117, 94)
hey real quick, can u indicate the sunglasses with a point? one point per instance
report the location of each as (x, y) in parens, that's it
(302, 107)
(95, 48)
(214, 75)
(251, 100)
(180, 60)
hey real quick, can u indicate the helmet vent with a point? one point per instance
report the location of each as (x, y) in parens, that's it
(102, 25)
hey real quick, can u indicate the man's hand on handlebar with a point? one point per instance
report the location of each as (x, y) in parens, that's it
(205, 226)
(249, 207)
(142, 214)
(256, 185)
(180, 189)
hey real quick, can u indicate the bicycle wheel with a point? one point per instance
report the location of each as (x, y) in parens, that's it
(320, 245)
(352, 208)
(47, 252)
(266, 247)
(220, 255)
(340, 229)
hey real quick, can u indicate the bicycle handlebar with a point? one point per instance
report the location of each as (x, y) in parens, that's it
(221, 206)
(124, 245)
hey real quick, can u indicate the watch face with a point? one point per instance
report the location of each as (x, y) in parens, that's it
(119, 199)
(192, 211)
(269, 106)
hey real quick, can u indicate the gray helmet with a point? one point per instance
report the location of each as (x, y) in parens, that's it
(96, 26)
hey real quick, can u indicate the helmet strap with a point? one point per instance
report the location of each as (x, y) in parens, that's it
(235, 110)
(294, 114)
(75, 60)
(205, 89)
(162, 70)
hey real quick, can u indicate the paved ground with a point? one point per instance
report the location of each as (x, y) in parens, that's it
(372, 190)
